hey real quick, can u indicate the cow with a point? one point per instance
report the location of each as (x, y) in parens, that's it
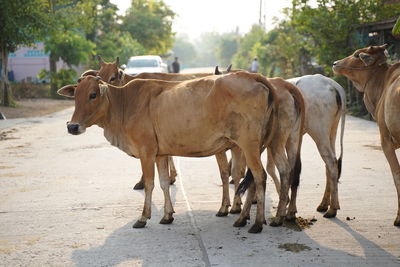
(111, 73)
(285, 136)
(325, 105)
(371, 74)
(153, 119)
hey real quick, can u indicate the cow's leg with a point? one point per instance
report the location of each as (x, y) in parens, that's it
(148, 177)
(331, 197)
(162, 167)
(271, 171)
(291, 151)
(224, 172)
(245, 214)
(172, 170)
(283, 166)
(391, 157)
(238, 169)
(254, 163)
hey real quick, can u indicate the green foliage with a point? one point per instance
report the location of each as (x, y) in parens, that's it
(248, 47)
(150, 23)
(71, 46)
(22, 23)
(396, 28)
(60, 78)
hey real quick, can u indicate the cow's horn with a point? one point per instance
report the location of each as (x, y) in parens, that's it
(99, 58)
(217, 72)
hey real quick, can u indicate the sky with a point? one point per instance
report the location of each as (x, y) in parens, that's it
(197, 16)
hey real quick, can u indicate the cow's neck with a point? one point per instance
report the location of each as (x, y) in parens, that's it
(128, 78)
(113, 121)
(373, 88)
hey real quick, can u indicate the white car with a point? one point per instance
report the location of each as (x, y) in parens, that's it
(141, 64)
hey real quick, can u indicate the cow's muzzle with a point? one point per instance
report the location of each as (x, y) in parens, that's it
(74, 128)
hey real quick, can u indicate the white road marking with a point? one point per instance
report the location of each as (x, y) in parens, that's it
(191, 216)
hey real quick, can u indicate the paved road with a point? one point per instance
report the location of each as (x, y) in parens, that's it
(68, 200)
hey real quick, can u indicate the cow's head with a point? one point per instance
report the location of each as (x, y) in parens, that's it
(110, 72)
(91, 103)
(358, 66)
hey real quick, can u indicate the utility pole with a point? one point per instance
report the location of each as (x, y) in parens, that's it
(260, 15)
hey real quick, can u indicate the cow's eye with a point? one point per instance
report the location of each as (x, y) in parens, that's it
(356, 55)
(92, 95)
(112, 79)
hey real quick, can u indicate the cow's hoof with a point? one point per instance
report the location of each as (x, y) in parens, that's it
(167, 221)
(256, 228)
(322, 208)
(221, 214)
(397, 221)
(232, 182)
(235, 211)
(173, 180)
(290, 217)
(139, 224)
(139, 186)
(331, 213)
(240, 223)
(254, 201)
(277, 221)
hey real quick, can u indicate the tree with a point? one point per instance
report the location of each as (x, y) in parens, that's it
(150, 23)
(247, 47)
(71, 20)
(330, 26)
(110, 40)
(22, 23)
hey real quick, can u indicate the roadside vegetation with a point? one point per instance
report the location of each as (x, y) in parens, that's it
(77, 30)
(312, 35)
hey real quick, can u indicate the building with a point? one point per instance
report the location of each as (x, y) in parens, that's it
(27, 62)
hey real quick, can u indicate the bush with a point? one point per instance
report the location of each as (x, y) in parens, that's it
(30, 90)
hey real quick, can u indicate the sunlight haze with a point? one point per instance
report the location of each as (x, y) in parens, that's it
(195, 16)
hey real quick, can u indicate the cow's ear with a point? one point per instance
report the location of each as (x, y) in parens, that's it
(367, 59)
(68, 90)
(100, 59)
(103, 88)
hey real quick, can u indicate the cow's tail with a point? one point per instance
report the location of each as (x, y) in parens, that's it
(341, 102)
(245, 183)
(300, 106)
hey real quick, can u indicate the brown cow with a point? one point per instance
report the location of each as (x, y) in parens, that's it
(151, 119)
(286, 135)
(380, 82)
(111, 73)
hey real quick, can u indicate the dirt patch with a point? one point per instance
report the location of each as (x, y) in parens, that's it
(7, 135)
(299, 224)
(6, 167)
(294, 247)
(374, 147)
(27, 108)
